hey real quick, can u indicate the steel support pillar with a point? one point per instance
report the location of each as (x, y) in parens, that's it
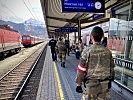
(79, 30)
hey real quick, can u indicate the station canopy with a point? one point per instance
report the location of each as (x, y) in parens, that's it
(55, 18)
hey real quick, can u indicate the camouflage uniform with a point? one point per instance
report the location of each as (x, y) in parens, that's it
(62, 49)
(97, 64)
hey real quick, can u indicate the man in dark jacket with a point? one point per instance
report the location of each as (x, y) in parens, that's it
(52, 44)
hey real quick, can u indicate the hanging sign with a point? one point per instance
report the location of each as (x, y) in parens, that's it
(93, 6)
(98, 16)
(67, 29)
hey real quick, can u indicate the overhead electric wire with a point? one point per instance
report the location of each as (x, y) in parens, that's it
(35, 14)
(2, 14)
(12, 12)
(9, 9)
(29, 9)
(31, 12)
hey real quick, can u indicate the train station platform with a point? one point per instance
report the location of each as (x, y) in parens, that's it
(58, 83)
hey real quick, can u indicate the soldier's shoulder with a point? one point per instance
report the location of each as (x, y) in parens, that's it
(85, 52)
(58, 43)
(107, 50)
(89, 49)
(86, 49)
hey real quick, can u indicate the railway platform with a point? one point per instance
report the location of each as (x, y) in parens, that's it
(58, 83)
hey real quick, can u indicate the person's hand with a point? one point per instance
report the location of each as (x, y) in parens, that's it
(111, 78)
(79, 89)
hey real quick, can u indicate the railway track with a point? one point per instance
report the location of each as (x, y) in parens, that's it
(29, 90)
(11, 83)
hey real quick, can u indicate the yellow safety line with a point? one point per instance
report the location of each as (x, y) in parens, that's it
(58, 82)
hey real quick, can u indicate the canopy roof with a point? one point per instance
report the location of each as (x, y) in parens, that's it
(55, 19)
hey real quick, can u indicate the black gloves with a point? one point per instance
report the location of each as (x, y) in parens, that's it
(84, 81)
(79, 89)
(111, 78)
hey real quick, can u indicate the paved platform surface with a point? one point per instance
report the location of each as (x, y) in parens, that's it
(48, 89)
(58, 83)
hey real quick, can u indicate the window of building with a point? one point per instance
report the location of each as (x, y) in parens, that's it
(121, 42)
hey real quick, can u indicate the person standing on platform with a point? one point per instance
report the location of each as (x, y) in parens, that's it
(77, 52)
(81, 46)
(96, 69)
(104, 41)
(62, 49)
(52, 44)
(68, 46)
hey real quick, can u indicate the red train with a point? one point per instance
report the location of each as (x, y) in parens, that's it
(29, 40)
(10, 40)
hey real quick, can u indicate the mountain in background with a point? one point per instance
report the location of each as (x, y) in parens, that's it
(30, 26)
(34, 22)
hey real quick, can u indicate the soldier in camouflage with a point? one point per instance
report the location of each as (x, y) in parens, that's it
(62, 49)
(97, 67)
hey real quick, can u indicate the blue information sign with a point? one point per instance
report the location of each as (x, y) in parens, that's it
(94, 6)
(98, 16)
(67, 29)
(57, 30)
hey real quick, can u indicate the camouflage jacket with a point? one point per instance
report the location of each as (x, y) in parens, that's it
(96, 62)
(61, 46)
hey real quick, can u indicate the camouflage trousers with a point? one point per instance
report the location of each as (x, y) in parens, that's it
(62, 56)
(96, 90)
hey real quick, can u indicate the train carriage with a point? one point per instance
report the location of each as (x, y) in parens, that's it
(10, 40)
(29, 40)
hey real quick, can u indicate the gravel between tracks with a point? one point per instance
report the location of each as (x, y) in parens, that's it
(8, 63)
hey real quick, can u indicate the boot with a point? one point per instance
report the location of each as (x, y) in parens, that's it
(63, 64)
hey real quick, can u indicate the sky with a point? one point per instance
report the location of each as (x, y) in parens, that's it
(20, 10)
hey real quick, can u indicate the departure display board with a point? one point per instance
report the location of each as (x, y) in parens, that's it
(93, 6)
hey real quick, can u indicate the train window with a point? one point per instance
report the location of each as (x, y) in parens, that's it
(23, 38)
(28, 38)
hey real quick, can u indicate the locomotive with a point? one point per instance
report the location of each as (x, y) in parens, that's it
(30, 40)
(10, 40)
